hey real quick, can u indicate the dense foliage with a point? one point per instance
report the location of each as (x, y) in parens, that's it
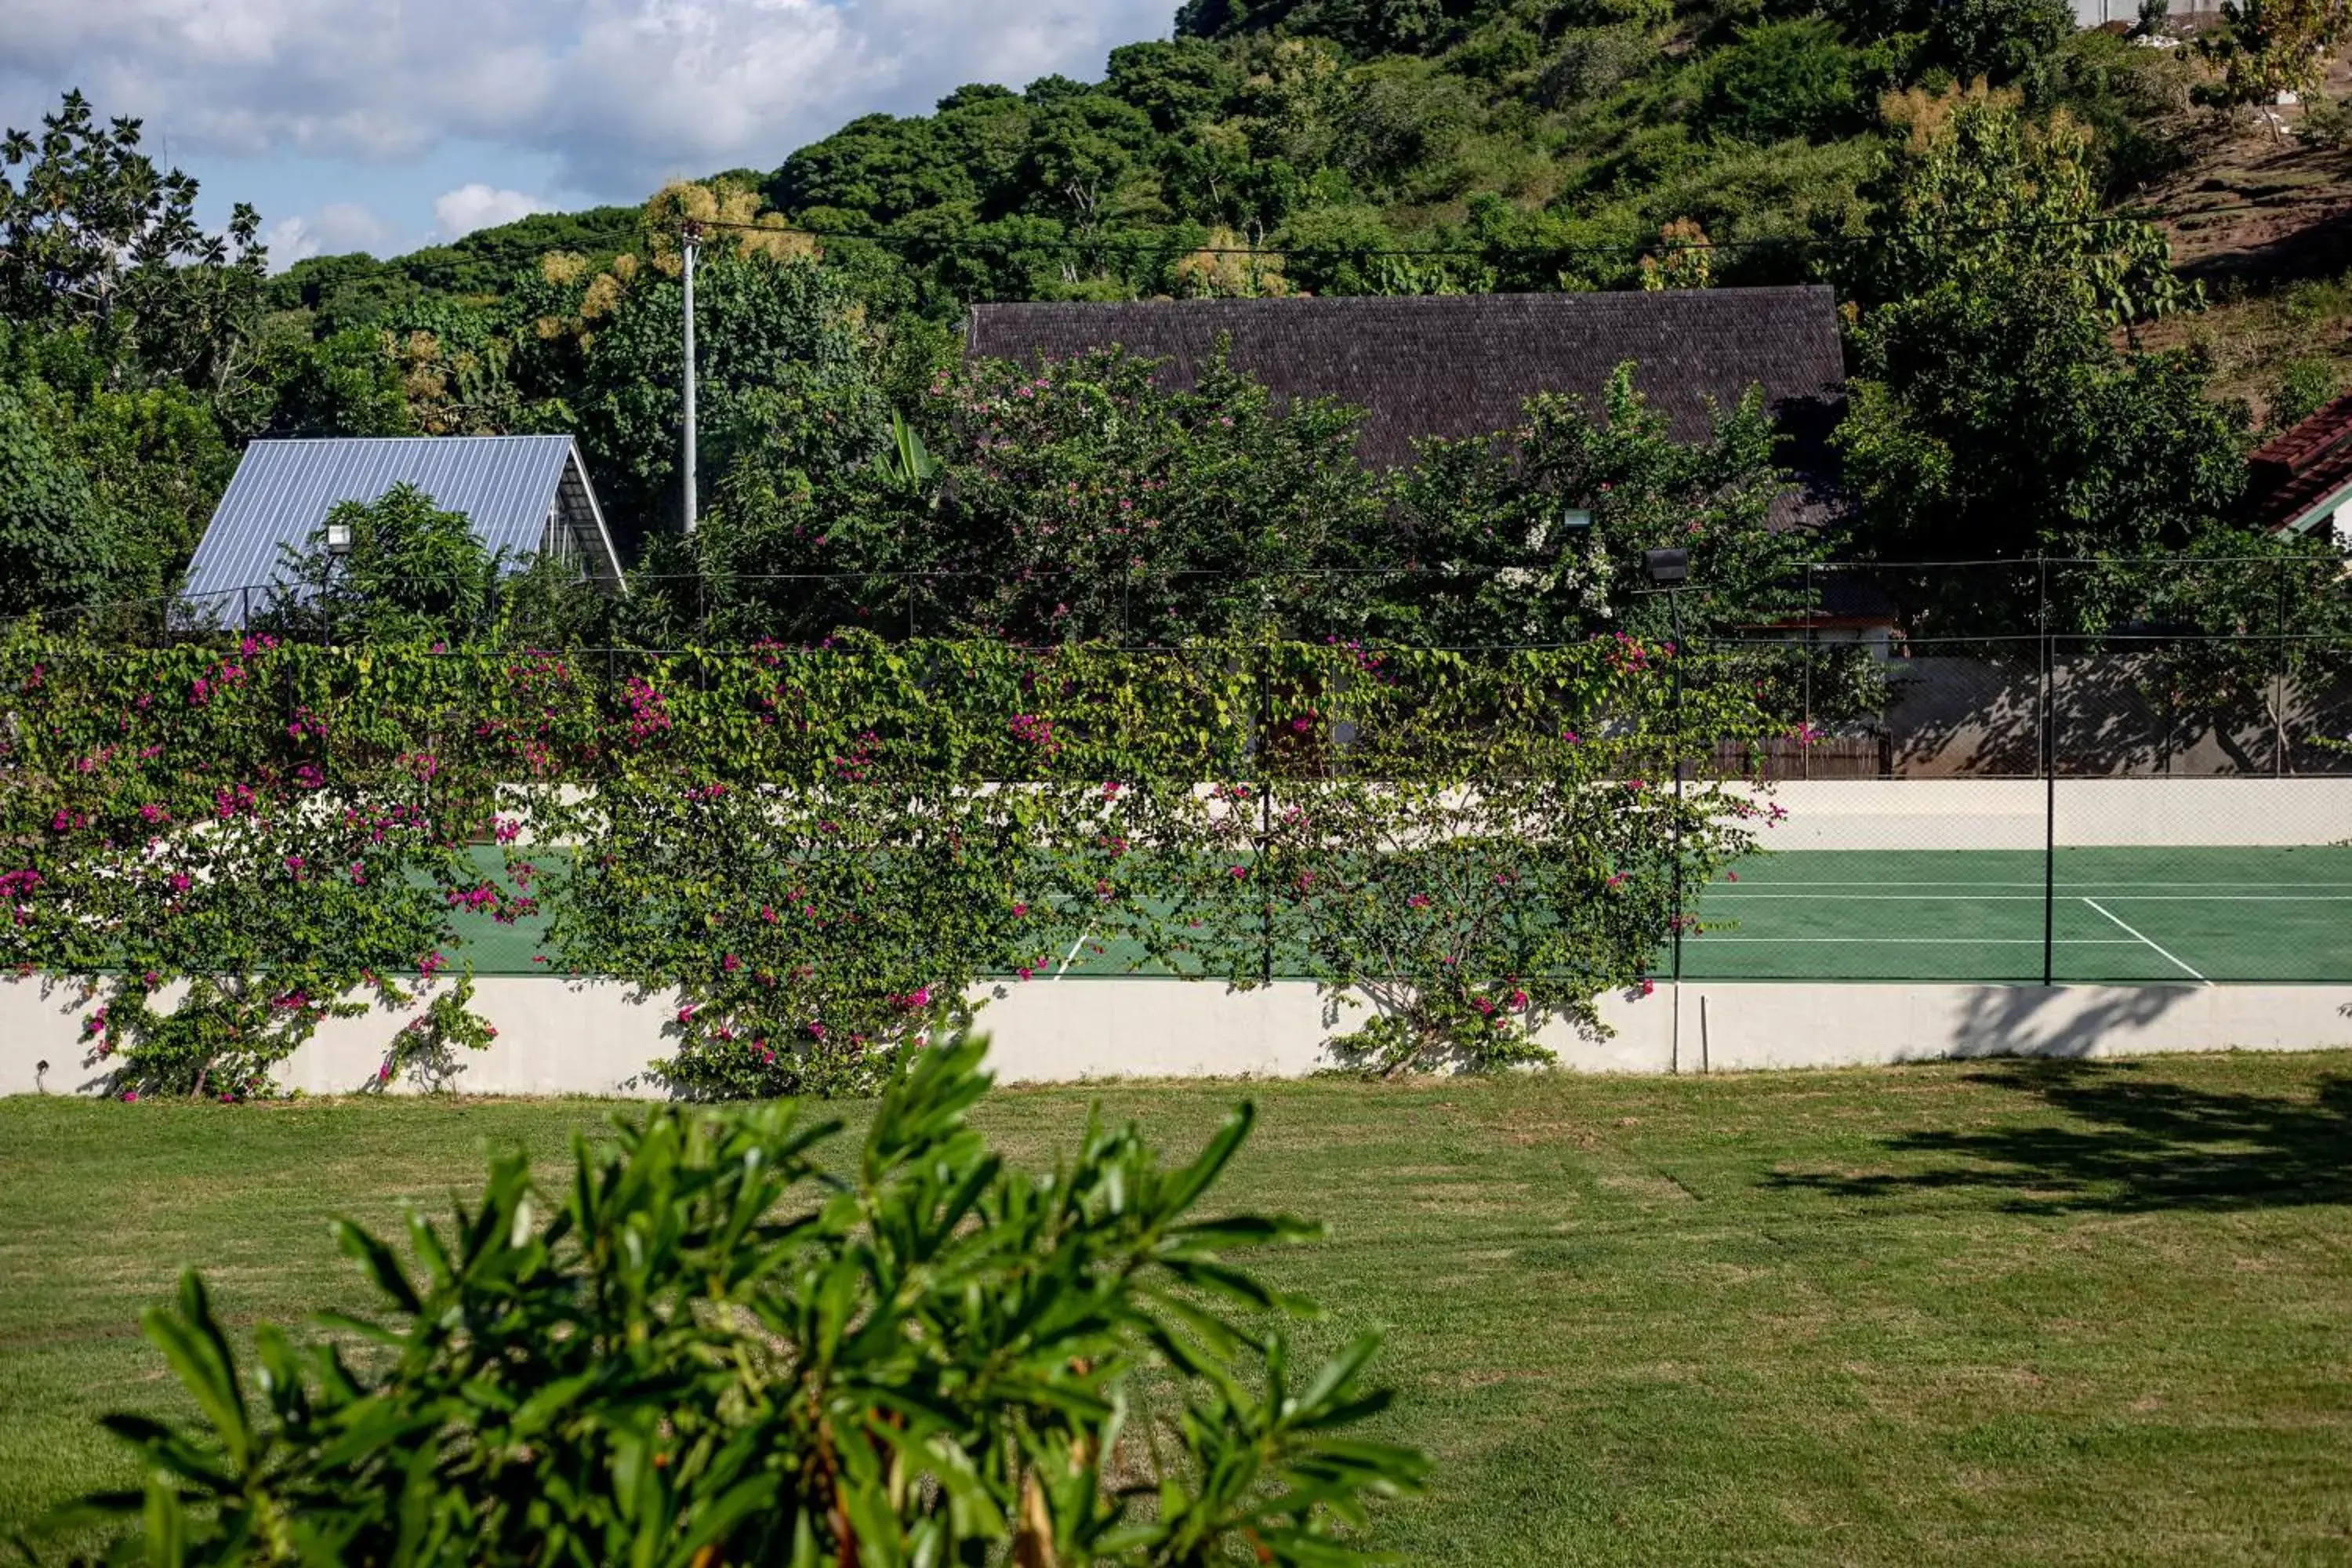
(818, 856)
(713, 1340)
(1076, 500)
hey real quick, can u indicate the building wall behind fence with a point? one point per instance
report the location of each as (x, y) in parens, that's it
(1953, 717)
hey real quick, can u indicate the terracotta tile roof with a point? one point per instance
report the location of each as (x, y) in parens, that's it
(1461, 365)
(2301, 467)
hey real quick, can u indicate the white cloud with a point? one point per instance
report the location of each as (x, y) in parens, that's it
(334, 228)
(618, 92)
(459, 213)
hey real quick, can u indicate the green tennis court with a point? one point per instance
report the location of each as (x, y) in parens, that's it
(2181, 915)
(2160, 915)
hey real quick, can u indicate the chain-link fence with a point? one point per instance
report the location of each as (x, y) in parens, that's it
(2018, 772)
(2148, 805)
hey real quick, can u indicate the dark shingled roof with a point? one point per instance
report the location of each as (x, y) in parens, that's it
(2299, 468)
(1461, 365)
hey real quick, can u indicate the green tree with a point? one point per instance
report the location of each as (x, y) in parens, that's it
(780, 341)
(92, 233)
(155, 457)
(55, 546)
(1100, 504)
(1992, 415)
(344, 385)
(2266, 48)
(407, 572)
(1786, 78)
(1537, 536)
(1072, 501)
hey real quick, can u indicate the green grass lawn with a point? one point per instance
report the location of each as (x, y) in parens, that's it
(1973, 1314)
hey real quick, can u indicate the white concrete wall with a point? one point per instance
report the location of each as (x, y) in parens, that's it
(2007, 814)
(560, 1037)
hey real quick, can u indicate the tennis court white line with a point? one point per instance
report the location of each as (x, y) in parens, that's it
(2168, 957)
(1071, 956)
(2064, 886)
(1743, 895)
(1935, 940)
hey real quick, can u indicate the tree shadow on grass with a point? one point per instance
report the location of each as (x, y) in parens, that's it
(2129, 1143)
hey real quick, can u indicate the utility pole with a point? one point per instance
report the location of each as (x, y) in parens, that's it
(690, 242)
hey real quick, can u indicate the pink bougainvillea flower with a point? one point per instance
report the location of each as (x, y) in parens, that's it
(1649, 986)
(1020, 911)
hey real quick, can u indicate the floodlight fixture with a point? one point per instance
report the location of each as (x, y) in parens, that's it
(339, 538)
(1576, 519)
(1667, 568)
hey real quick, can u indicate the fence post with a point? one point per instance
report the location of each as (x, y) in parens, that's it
(2049, 788)
(1675, 1048)
(1812, 616)
(2278, 685)
(1265, 816)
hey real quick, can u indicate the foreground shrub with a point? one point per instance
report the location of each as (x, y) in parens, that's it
(704, 1347)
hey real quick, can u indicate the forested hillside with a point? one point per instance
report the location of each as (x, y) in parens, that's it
(1400, 146)
(2029, 370)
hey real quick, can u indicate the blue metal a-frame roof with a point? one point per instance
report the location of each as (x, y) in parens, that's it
(508, 487)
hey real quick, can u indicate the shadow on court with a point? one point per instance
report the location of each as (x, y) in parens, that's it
(2130, 1143)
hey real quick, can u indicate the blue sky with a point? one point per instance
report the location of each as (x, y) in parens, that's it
(385, 124)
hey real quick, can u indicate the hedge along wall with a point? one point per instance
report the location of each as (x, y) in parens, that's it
(822, 849)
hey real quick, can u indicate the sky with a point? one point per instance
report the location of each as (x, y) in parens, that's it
(382, 125)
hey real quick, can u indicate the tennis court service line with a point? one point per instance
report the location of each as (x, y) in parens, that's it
(2166, 955)
(1071, 956)
(1744, 896)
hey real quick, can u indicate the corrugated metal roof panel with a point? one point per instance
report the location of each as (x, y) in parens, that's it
(505, 485)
